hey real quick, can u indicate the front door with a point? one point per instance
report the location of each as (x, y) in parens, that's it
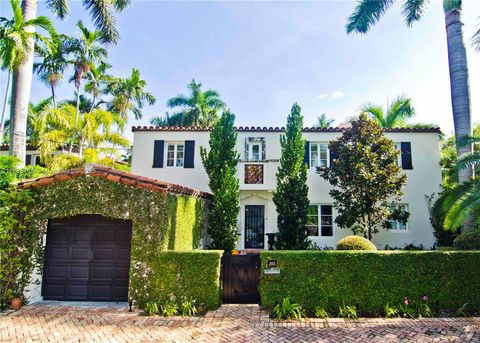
(254, 226)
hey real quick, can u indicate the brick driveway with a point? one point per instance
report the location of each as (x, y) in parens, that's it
(231, 323)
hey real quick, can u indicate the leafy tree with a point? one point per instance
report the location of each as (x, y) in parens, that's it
(368, 12)
(199, 108)
(16, 43)
(367, 182)
(36, 124)
(129, 95)
(323, 121)
(87, 50)
(103, 15)
(291, 194)
(54, 55)
(220, 163)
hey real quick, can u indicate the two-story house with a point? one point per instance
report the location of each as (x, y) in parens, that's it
(172, 154)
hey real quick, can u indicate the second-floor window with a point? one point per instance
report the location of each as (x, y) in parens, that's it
(175, 155)
(255, 151)
(319, 155)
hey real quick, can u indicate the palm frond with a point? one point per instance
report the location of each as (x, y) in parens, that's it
(178, 101)
(104, 19)
(375, 112)
(466, 204)
(476, 40)
(413, 10)
(471, 159)
(366, 14)
(59, 8)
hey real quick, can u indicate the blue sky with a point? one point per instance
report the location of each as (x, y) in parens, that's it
(264, 56)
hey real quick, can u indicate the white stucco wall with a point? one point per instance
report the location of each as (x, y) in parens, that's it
(424, 179)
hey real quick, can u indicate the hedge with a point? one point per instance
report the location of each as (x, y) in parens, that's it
(369, 280)
(176, 274)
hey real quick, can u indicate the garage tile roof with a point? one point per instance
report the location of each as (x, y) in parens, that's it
(274, 129)
(114, 175)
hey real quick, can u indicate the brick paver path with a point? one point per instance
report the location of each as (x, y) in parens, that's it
(231, 323)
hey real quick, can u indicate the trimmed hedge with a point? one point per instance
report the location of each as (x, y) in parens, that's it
(369, 280)
(355, 243)
(176, 274)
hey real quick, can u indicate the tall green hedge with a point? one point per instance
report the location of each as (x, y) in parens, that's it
(194, 274)
(369, 280)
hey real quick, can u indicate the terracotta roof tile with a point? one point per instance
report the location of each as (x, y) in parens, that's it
(274, 129)
(114, 175)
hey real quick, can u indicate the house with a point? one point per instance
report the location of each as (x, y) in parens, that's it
(32, 156)
(172, 154)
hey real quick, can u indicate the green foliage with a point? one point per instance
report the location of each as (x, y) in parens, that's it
(286, 309)
(349, 312)
(151, 309)
(10, 173)
(443, 238)
(188, 307)
(396, 114)
(355, 243)
(220, 163)
(367, 182)
(169, 310)
(390, 311)
(323, 121)
(291, 194)
(320, 312)
(179, 275)
(371, 279)
(468, 241)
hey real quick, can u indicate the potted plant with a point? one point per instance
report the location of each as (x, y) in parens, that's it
(17, 301)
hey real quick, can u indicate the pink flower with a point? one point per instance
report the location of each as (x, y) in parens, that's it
(405, 301)
(425, 298)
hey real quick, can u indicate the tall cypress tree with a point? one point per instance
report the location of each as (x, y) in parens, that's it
(220, 163)
(291, 195)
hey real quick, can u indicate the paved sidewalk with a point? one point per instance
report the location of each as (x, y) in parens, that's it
(231, 323)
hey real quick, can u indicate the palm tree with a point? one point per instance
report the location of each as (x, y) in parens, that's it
(368, 12)
(323, 121)
(54, 56)
(95, 135)
(129, 95)
(96, 81)
(168, 120)
(103, 15)
(199, 108)
(36, 124)
(395, 115)
(87, 50)
(16, 43)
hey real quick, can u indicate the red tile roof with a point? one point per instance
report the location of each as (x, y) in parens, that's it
(273, 129)
(114, 175)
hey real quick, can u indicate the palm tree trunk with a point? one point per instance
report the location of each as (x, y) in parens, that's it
(459, 85)
(22, 85)
(5, 104)
(76, 116)
(53, 95)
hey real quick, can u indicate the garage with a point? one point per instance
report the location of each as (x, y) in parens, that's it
(87, 258)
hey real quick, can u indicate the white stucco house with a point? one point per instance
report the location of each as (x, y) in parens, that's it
(172, 154)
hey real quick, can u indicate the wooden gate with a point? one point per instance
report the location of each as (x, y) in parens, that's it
(241, 276)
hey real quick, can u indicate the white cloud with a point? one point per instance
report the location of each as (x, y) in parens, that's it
(337, 95)
(322, 96)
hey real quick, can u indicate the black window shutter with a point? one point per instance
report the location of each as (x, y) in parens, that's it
(28, 159)
(406, 148)
(306, 158)
(333, 156)
(158, 154)
(189, 154)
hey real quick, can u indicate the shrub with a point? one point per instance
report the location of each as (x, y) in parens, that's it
(355, 243)
(169, 310)
(287, 310)
(151, 309)
(371, 279)
(468, 241)
(390, 311)
(349, 312)
(178, 275)
(187, 307)
(320, 312)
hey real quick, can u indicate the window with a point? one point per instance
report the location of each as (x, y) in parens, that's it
(320, 220)
(255, 150)
(175, 155)
(319, 153)
(399, 158)
(397, 225)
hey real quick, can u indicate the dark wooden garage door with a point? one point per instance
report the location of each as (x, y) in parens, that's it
(87, 258)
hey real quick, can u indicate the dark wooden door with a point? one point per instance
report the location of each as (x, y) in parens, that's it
(240, 279)
(87, 258)
(254, 226)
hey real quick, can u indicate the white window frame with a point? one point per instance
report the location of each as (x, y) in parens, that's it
(398, 147)
(319, 215)
(395, 228)
(317, 161)
(250, 151)
(175, 152)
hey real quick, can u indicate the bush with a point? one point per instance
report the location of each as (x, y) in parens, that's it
(468, 241)
(369, 280)
(173, 276)
(286, 309)
(355, 243)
